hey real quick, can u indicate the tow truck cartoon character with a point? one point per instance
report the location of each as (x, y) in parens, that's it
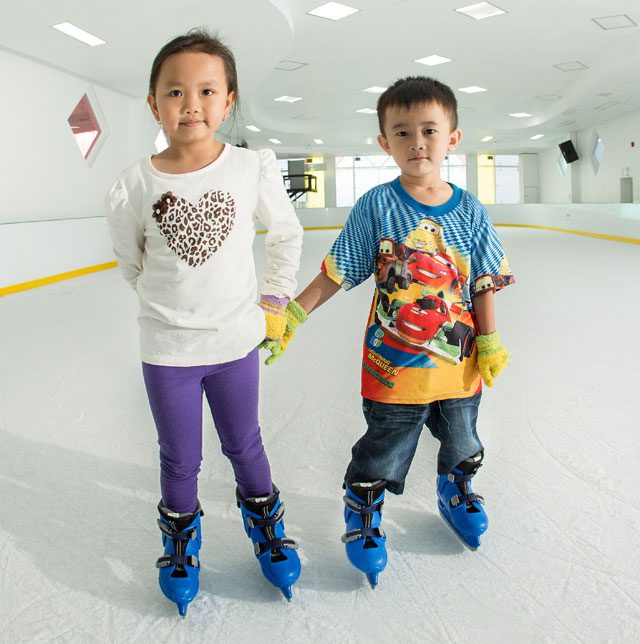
(392, 267)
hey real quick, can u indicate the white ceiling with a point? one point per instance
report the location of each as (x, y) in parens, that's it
(512, 55)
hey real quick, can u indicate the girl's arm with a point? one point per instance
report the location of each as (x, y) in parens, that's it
(284, 233)
(127, 234)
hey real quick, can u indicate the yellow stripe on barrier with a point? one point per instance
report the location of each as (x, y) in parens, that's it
(24, 286)
(616, 238)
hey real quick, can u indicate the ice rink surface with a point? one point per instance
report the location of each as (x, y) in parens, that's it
(561, 559)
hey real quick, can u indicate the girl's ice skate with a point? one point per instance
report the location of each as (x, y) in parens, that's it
(262, 518)
(364, 539)
(179, 567)
(459, 506)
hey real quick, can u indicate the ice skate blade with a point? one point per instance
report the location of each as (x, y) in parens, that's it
(373, 579)
(474, 542)
(287, 592)
(182, 609)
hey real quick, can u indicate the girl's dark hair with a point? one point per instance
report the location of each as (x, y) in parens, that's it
(414, 90)
(198, 40)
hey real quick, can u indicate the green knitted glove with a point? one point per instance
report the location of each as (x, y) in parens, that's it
(492, 357)
(295, 316)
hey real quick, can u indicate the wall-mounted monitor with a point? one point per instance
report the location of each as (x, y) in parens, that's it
(568, 152)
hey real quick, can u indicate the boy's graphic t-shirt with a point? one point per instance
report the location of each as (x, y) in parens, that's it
(428, 262)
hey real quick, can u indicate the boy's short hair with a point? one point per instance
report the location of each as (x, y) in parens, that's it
(414, 90)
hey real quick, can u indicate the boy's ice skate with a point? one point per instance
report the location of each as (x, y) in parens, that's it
(364, 539)
(262, 518)
(179, 567)
(459, 506)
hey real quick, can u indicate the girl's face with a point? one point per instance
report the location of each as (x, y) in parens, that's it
(191, 97)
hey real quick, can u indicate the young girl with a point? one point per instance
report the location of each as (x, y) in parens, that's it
(183, 225)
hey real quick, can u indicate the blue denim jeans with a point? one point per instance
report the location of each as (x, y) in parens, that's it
(387, 448)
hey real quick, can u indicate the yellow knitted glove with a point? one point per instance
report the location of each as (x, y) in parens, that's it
(274, 308)
(294, 315)
(492, 357)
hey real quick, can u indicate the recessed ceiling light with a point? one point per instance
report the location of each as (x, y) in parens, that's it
(566, 123)
(318, 141)
(79, 34)
(548, 97)
(535, 137)
(481, 10)
(572, 66)
(366, 110)
(473, 89)
(486, 139)
(275, 141)
(614, 22)
(333, 11)
(304, 117)
(253, 128)
(432, 60)
(520, 115)
(289, 65)
(374, 90)
(288, 99)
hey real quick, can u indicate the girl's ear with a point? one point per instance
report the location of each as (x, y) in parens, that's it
(231, 97)
(151, 102)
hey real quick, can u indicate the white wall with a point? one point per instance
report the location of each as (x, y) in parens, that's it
(45, 177)
(603, 187)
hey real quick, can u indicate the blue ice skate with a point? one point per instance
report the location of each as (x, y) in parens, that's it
(262, 518)
(179, 567)
(459, 506)
(364, 539)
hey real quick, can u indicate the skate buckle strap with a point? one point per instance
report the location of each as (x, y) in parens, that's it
(362, 533)
(459, 478)
(360, 508)
(187, 535)
(264, 546)
(262, 522)
(178, 560)
(457, 499)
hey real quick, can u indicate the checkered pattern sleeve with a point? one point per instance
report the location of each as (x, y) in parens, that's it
(489, 267)
(351, 259)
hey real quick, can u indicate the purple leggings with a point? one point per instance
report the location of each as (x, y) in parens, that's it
(175, 395)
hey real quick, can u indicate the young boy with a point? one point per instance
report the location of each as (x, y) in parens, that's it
(430, 338)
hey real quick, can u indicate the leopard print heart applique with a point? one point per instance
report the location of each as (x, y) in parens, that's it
(194, 233)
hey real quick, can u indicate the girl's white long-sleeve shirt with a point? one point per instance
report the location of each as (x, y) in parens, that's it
(184, 243)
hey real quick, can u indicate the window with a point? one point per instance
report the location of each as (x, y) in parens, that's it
(86, 128)
(498, 178)
(454, 170)
(597, 152)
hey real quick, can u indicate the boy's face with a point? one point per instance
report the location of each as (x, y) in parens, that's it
(418, 138)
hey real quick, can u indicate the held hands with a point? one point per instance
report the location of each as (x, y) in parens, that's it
(281, 325)
(492, 357)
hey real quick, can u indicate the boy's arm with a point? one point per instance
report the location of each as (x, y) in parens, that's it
(485, 313)
(492, 356)
(317, 293)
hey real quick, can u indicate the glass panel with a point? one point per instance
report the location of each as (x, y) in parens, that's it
(562, 164)
(507, 160)
(344, 162)
(344, 187)
(366, 178)
(457, 159)
(597, 152)
(387, 174)
(486, 179)
(507, 185)
(458, 175)
(85, 127)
